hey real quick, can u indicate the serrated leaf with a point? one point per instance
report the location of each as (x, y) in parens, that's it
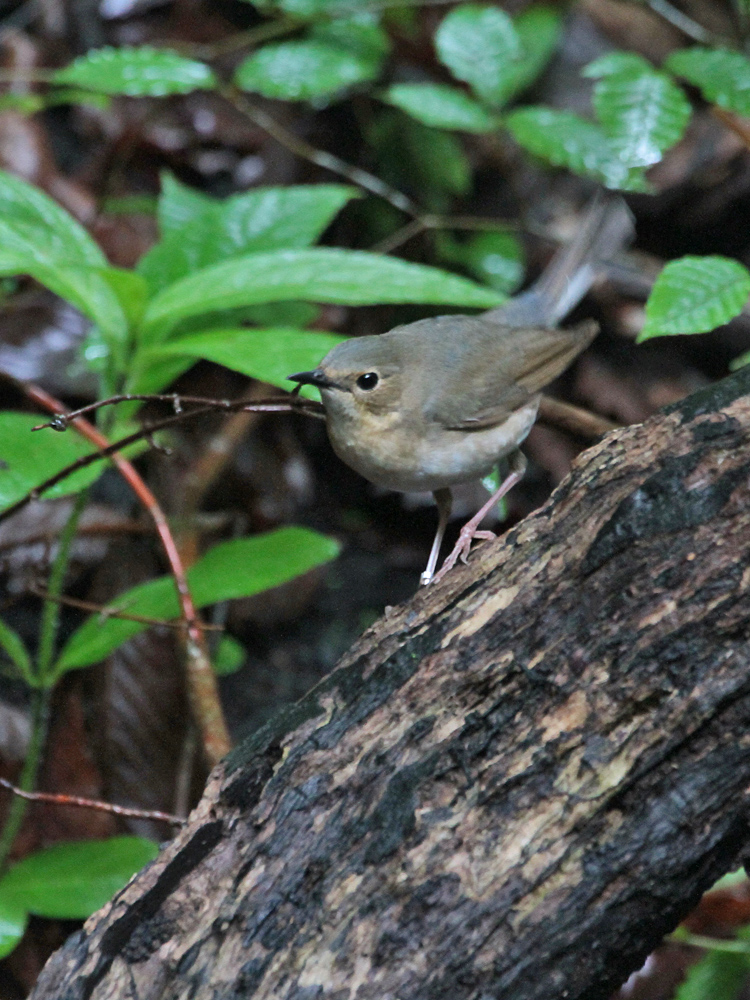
(268, 355)
(70, 881)
(347, 277)
(440, 106)
(717, 976)
(58, 237)
(694, 295)
(13, 921)
(263, 219)
(305, 70)
(16, 651)
(566, 140)
(538, 29)
(616, 62)
(643, 112)
(29, 457)
(723, 76)
(240, 568)
(478, 44)
(136, 71)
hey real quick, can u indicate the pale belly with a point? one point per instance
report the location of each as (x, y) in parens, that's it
(444, 458)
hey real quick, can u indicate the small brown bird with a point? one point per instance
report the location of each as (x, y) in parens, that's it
(441, 401)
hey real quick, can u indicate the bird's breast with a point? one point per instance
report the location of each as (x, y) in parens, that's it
(397, 453)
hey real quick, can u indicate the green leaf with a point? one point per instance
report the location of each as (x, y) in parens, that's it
(359, 34)
(13, 921)
(538, 29)
(717, 976)
(478, 44)
(131, 292)
(229, 656)
(179, 204)
(496, 258)
(24, 104)
(28, 458)
(617, 62)
(565, 140)
(440, 106)
(16, 650)
(137, 71)
(304, 70)
(263, 219)
(694, 295)
(348, 277)
(311, 10)
(269, 355)
(233, 569)
(723, 76)
(70, 881)
(643, 112)
(44, 226)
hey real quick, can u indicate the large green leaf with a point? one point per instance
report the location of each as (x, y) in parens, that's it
(478, 44)
(304, 70)
(643, 112)
(496, 258)
(269, 355)
(566, 140)
(723, 76)
(359, 34)
(233, 569)
(28, 458)
(213, 231)
(694, 295)
(440, 106)
(138, 71)
(70, 881)
(349, 277)
(44, 227)
(13, 920)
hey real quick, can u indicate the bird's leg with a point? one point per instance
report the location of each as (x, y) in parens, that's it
(444, 502)
(469, 532)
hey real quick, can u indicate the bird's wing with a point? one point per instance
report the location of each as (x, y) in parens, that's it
(499, 370)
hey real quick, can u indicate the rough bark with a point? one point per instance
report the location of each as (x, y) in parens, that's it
(512, 786)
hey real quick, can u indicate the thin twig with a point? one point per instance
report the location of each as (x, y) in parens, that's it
(105, 612)
(686, 24)
(75, 800)
(201, 680)
(734, 122)
(328, 161)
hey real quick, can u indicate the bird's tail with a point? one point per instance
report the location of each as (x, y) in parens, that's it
(607, 228)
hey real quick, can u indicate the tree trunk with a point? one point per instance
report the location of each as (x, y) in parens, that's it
(512, 786)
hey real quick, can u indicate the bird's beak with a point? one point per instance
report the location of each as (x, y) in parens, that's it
(316, 377)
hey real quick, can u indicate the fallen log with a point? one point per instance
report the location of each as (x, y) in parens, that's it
(512, 786)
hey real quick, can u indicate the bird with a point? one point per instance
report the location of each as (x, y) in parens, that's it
(441, 401)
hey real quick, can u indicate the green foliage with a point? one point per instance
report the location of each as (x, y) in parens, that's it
(13, 921)
(229, 656)
(233, 569)
(695, 294)
(29, 457)
(478, 43)
(495, 258)
(305, 70)
(717, 976)
(139, 71)
(200, 231)
(70, 881)
(13, 646)
(267, 355)
(722, 76)
(440, 106)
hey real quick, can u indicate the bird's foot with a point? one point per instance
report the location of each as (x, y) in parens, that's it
(462, 548)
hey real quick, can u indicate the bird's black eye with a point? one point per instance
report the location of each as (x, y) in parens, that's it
(368, 381)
